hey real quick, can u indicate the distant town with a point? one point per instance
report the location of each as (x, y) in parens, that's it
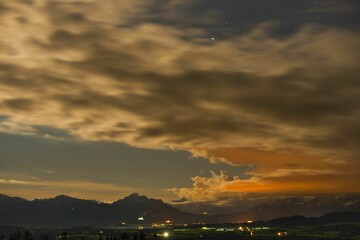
(169, 231)
(137, 217)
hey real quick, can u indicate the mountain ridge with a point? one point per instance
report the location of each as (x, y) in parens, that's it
(298, 220)
(63, 210)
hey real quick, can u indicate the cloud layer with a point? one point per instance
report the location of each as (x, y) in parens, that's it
(106, 71)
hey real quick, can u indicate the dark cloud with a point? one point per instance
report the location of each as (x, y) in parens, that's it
(182, 200)
(22, 104)
(3, 8)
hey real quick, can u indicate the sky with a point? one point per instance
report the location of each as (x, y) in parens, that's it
(196, 101)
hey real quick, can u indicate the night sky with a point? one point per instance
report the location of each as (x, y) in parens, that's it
(199, 100)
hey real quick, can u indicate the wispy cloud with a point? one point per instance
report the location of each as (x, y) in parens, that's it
(33, 186)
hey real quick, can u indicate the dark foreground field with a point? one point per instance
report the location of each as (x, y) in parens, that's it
(195, 232)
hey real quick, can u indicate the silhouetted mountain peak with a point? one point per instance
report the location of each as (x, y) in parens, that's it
(67, 201)
(136, 196)
(5, 198)
(330, 218)
(64, 198)
(60, 199)
(2, 196)
(137, 199)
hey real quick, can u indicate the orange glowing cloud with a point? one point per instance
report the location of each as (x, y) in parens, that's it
(224, 188)
(272, 173)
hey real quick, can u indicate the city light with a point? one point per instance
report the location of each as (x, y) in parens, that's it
(281, 234)
(166, 234)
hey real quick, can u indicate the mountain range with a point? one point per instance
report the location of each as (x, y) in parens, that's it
(67, 211)
(330, 218)
(308, 206)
